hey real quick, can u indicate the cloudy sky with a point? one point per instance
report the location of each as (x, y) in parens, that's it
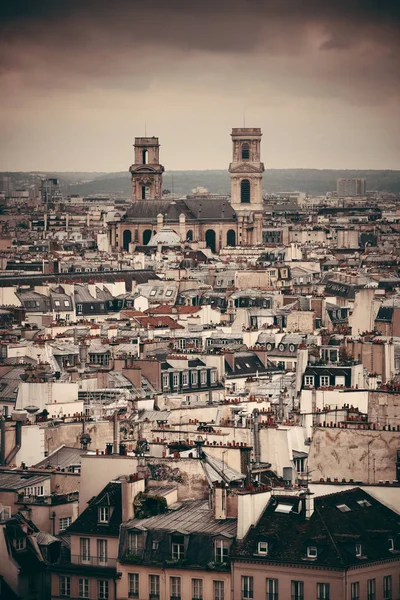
(79, 79)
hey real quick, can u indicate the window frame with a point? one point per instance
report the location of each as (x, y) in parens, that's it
(154, 585)
(133, 585)
(371, 589)
(309, 380)
(387, 584)
(260, 551)
(221, 551)
(272, 587)
(65, 586)
(323, 591)
(103, 594)
(84, 587)
(218, 589)
(247, 587)
(312, 552)
(104, 514)
(175, 586)
(297, 589)
(61, 519)
(355, 590)
(197, 588)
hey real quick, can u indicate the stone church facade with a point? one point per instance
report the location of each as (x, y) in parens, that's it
(217, 222)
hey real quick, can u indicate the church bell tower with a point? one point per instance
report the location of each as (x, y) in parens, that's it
(146, 172)
(246, 169)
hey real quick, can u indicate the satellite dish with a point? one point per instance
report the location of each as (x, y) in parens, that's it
(31, 409)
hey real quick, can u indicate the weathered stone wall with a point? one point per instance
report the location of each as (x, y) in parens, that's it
(362, 455)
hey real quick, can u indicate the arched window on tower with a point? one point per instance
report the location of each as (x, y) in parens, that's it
(189, 236)
(245, 151)
(245, 191)
(144, 157)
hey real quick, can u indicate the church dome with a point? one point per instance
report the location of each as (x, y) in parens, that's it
(166, 237)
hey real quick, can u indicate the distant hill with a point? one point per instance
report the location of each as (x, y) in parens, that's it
(311, 181)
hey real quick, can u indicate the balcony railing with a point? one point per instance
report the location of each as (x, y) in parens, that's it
(93, 561)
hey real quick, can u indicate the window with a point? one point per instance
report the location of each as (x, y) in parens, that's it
(391, 544)
(197, 589)
(154, 586)
(219, 593)
(364, 503)
(297, 590)
(247, 587)
(66, 303)
(177, 547)
(340, 380)
(343, 508)
(165, 380)
(65, 586)
(324, 380)
(387, 587)
(358, 550)
(135, 543)
(56, 302)
(262, 547)
(245, 151)
(168, 293)
(154, 545)
(64, 523)
(309, 380)
(213, 376)
(355, 590)
(19, 543)
(102, 552)
(203, 377)
(133, 583)
(85, 550)
(175, 379)
(102, 589)
(153, 292)
(221, 551)
(371, 589)
(104, 514)
(323, 591)
(185, 378)
(194, 377)
(245, 191)
(83, 588)
(79, 308)
(175, 587)
(312, 552)
(272, 589)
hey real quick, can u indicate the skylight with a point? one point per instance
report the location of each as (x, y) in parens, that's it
(343, 508)
(364, 503)
(284, 508)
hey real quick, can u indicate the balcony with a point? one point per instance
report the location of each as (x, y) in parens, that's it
(92, 562)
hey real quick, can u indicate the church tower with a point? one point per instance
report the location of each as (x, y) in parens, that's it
(146, 171)
(246, 169)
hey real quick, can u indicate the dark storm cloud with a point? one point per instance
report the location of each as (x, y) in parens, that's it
(98, 64)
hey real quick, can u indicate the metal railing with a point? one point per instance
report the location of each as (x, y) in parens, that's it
(93, 561)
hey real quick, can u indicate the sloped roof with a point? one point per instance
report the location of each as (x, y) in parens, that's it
(333, 532)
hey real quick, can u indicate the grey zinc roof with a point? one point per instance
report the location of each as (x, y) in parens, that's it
(15, 481)
(194, 516)
(216, 470)
(63, 457)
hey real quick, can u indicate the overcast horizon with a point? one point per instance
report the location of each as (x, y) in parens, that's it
(80, 80)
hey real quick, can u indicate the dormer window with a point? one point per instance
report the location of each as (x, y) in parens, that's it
(19, 543)
(221, 550)
(177, 547)
(312, 552)
(104, 514)
(391, 544)
(263, 548)
(358, 550)
(135, 543)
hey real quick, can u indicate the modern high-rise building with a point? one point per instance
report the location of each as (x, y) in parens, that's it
(351, 187)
